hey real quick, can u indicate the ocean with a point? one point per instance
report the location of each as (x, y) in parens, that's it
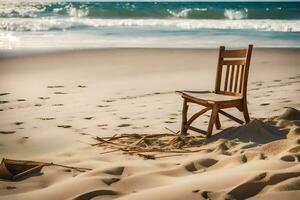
(83, 24)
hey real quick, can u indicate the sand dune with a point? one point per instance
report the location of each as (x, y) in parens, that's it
(51, 111)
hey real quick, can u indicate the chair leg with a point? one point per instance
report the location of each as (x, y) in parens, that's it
(245, 112)
(218, 123)
(212, 120)
(184, 117)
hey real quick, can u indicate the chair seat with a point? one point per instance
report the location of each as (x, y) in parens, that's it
(208, 97)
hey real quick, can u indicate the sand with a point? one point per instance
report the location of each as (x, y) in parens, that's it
(53, 105)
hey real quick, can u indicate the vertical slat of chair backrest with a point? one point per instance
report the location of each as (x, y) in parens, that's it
(219, 71)
(237, 78)
(231, 78)
(237, 68)
(226, 77)
(242, 78)
(247, 65)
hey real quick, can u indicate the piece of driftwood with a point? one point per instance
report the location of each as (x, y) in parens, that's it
(15, 169)
(144, 144)
(230, 93)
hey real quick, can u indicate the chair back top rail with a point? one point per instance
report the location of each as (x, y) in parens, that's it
(232, 71)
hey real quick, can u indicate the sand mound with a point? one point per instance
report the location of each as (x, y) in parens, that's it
(290, 114)
(256, 131)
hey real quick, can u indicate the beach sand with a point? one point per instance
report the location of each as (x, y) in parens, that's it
(53, 105)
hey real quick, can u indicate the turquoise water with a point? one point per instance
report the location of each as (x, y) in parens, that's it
(73, 25)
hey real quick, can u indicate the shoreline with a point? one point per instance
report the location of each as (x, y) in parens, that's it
(11, 53)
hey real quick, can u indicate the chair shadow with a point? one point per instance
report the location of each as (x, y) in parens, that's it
(256, 131)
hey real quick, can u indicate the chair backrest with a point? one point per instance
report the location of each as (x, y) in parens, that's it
(233, 68)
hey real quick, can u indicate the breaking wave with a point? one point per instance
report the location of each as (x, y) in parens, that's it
(50, 24)
(151, 10)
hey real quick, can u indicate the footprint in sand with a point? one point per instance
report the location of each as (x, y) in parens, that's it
(109, 100)
(205, 194)
(3, 94)
(117, 171)
(103, 106)
(135, 127)
(244, 158)
(263, 156)
(55, 86)
(64, 126)
(43, 98)
(169, 122)
(18, 123)
(21, 99)
(293, 77)
(7, 132)
(88, 118)
(1, 110)
(102, 125)
(59, 93)
(38, 104)
(109, 181)
(23, 140)
(124, 118)
(46, 118)
(81, 86)
(295, 149)
(290, 158)
(264, 104)
(10, 187)
(286, 101)
(3, 102)
(57, 104)
(124, 125)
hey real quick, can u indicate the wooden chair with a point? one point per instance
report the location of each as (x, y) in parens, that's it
(232, 92)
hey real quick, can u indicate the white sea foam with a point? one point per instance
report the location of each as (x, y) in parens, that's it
(8, 41)
(23, 10)
(185, 12)
(180, 14)
(235, 14)
(48, 24)
(81, 12)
